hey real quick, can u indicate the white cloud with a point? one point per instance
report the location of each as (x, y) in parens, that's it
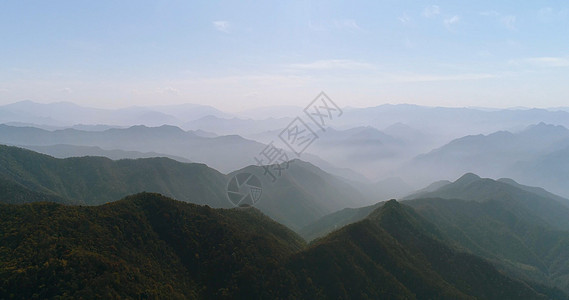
(331, 64)
(222, 26)
(451, 21)
(544, 61)
(66, 90)
(509, 21)
(431, 77)
(431, 11)
(338, 24)
(169, 90)
(405, 19)
(346, 24)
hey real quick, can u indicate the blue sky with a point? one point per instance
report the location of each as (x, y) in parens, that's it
(242, 54)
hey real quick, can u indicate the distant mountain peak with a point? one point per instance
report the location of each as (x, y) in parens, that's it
(543, 127)
(390, 209)
(392, 203)
(162, 128)
(508, 181)
(467, 178)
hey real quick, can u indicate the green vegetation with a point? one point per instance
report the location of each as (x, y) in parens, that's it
(147, 246)
(98, 180)
(521, 230)
(395, 253)
(303, 194)
(14, 193)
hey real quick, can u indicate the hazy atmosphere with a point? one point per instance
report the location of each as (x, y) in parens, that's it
(238, 55)
(284, 150)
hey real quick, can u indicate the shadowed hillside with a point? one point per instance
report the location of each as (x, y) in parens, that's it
(149, 246)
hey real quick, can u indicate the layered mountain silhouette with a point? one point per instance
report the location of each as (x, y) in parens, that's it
(66, 151)
(225, 153)
(535, 155)
(299, 197)
(65, 233)
(68, 114)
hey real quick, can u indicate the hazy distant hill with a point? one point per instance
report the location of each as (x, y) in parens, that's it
(304, 193)
(362, 148)
(225, 153)
(236, 125)
(68, 114)
(66, 151)
(148, 246)
(550, 170)
(266, 112)
(534, 155)
(366, 149)
(450, 121)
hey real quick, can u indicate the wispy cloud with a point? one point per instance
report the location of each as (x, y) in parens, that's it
(405, 19)
(548, 14)
(337, 24)
(66, 90)
(347, 24)
(431, 11)
(169, 90)
(509, 21)
(543, 62)
(451, 21)
(332, 64)
(222, 26)
(432, 77)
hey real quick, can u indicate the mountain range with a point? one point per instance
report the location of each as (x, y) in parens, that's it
(327, 226)
(522, 230)
(300, 196)
(149, 246)
(534, 155)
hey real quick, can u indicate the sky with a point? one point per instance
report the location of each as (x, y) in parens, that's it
(237, 55)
